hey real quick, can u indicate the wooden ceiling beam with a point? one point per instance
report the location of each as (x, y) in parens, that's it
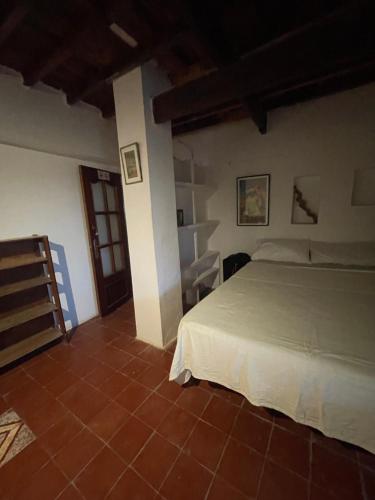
(209, 113)
(227, 115)
(220, 59)
(354, 68)
(294, 56)
(336, 81)
(13, 20)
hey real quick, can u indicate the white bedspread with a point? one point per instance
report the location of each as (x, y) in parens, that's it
(297, 339)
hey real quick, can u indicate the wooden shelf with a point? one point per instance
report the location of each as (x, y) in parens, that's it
(28, 345)
(25, 238)
(19, 286)
(30, 310)
(24, 314)
(20, 260)
(198, 225)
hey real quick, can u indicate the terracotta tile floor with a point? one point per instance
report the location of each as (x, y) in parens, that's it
(109, 424)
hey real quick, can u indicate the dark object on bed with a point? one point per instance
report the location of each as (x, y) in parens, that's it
(233, 263)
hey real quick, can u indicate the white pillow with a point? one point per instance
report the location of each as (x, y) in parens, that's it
(360, 253)
(283, 251)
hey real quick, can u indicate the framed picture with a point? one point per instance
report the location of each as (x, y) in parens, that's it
(253, 198)
(130, 164)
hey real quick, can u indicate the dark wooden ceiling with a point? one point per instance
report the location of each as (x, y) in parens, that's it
(226, 59)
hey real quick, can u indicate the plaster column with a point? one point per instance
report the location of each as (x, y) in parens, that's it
(150, 207)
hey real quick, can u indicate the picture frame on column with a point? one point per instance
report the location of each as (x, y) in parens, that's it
(130, 163)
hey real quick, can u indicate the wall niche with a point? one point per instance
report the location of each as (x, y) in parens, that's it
(306, 199)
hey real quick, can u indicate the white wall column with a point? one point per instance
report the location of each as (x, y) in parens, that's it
(150, 207)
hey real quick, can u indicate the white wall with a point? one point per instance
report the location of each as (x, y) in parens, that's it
(40, 119)
(40, 192)
(329, 137)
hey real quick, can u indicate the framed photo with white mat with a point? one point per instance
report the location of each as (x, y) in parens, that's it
(130, 163)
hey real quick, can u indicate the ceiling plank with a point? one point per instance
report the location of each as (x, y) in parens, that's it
(13, 20)
(294, 56)
(140, 57)
(200, 29)
(61, 53)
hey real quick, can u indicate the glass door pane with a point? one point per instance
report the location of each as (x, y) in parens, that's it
(97, 196)
(105, 255)
(111, 197)
(101, 226)
(115, 228)
(119, 260)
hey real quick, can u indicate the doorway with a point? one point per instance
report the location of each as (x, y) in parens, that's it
(103, 200)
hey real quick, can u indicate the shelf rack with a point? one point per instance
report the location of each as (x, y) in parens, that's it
(30, 311)
(199, 265)
(198, 225)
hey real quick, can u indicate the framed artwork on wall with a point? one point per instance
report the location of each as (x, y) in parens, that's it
(130, 164)
(253, 198)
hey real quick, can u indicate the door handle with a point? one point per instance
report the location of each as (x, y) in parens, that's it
(95, 236)
(96, 249)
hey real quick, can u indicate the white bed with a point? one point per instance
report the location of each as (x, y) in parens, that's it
(298, 339)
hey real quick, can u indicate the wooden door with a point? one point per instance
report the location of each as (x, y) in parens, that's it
(102, 194)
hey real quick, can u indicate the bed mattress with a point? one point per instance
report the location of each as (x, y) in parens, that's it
(298, 339)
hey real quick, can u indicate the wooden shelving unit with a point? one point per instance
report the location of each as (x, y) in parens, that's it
(200, 266)
(30, 311)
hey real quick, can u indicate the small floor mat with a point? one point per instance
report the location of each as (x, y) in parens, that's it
(15, 435)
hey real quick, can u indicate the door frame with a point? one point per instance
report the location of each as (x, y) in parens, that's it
(85, 194)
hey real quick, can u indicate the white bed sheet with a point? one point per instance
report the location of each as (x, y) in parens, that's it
(298, 339)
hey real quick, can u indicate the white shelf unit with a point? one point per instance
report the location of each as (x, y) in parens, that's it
(200, 266)
(198, 225)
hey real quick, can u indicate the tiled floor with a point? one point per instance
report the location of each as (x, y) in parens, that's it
(110, 425)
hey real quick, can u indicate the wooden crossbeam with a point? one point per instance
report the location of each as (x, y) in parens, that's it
(351, 68)
(358, 73)
(13, 20)
(220, 59)
(293, 56)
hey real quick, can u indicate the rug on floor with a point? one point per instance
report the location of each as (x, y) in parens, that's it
(15, 435)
